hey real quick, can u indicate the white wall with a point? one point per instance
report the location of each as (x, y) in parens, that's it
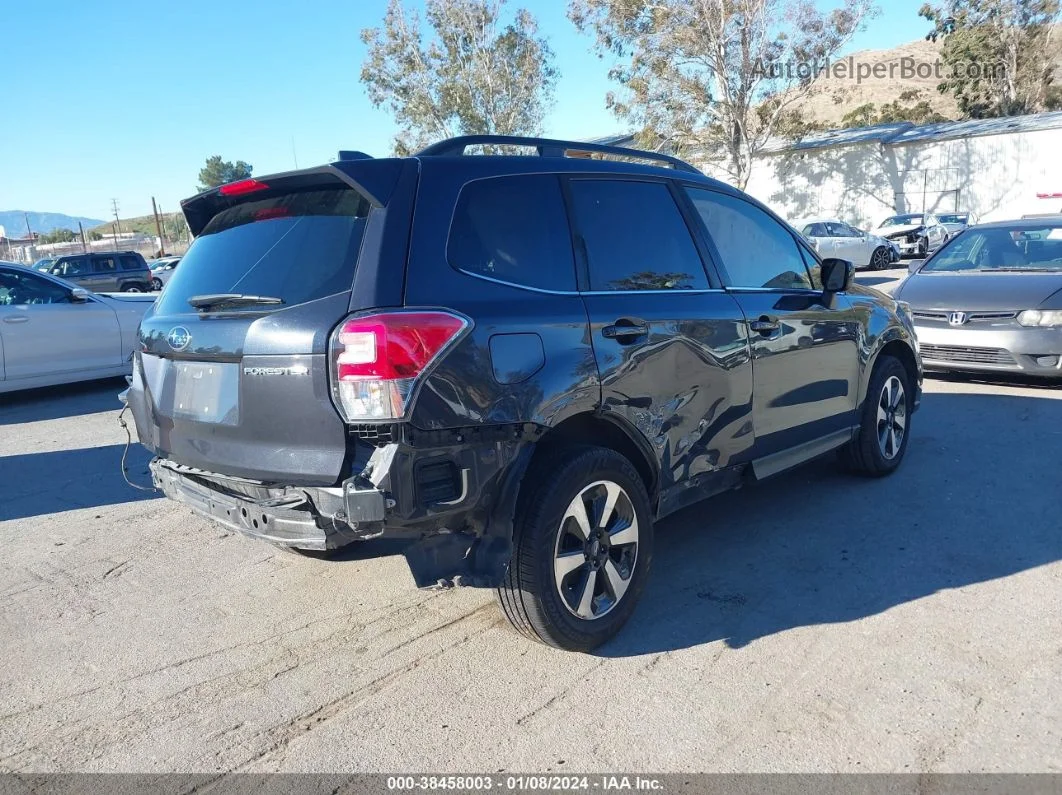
(993, 176)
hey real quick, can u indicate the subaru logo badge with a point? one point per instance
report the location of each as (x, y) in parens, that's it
(179, 337)
(956, 318)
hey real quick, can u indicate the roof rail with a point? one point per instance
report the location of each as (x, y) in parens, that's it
(547, 147)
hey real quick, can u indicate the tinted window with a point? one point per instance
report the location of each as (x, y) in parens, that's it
(130, 263)
(23, 287)
(756, 250)
(104, 264)
(79, 266)
(635, 237)
(513, 229)
(296, 246)
(815, 230)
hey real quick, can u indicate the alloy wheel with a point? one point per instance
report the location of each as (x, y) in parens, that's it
(880, 260)
(596, 550)
(892, 418)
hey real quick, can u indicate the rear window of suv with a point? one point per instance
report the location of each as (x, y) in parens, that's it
(297, 246)
(515, 230)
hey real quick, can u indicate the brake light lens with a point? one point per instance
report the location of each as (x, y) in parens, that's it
(377, 359)
(242, 186)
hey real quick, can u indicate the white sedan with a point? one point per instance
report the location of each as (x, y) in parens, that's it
(833, 238)
(161, 271)
(54, 332)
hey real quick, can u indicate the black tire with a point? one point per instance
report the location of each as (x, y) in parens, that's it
(879, 260)
(530, 595)
(156, 284)
(867, 454)
(132, 288)
(923, 247)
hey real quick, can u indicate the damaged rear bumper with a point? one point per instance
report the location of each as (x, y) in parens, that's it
(286, 517)
(455, 503)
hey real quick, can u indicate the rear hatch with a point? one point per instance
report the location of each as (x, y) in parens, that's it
(232, 375)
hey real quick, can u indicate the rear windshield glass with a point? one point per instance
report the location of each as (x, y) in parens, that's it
(297, 246)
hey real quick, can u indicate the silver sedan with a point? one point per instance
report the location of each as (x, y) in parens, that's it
(54, 332)
(991, 300)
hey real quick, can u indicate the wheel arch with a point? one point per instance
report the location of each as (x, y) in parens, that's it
(899, 348)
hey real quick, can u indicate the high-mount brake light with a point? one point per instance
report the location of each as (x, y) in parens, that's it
(377, 359)
(240, 187)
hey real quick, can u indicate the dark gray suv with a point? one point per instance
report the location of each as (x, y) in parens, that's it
(521, 363)
(105, 272)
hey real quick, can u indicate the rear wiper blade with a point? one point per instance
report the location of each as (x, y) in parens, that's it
(211, 300)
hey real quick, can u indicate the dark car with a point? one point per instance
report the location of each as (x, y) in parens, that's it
(105, 272)
(522, 362)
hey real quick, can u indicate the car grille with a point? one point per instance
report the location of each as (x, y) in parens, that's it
(971, 317)
(963, 355)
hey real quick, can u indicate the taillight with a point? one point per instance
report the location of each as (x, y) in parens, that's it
(242, 186)
(377, 359)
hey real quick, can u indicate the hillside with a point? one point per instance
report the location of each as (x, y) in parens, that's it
(14, 222)
(832, 98)
(144, 224)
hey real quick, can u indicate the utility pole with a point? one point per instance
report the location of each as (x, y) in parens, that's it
(158, 228)
(118, 224)
(29, 232)
(84, 245)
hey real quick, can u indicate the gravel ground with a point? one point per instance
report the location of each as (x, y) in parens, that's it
(817, 622)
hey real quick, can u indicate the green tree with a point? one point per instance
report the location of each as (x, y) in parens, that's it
(716, 79)
(478, 71)
(910, 106)
(218, 172)
(58, 236)
(94, 235)
(999, 54)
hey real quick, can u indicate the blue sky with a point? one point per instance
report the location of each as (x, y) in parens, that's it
(127, 99)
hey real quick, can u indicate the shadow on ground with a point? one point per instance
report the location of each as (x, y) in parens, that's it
(974, 501)
(874, 281)
(55, 402)
(36, 484)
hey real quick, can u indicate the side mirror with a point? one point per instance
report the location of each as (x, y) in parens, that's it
(79, 295)
(836, 275)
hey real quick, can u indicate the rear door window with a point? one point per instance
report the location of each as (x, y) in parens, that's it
(513, 229)
(72, 267)
(757, 251)
(104, 264)
(635, 237)
(297, 246)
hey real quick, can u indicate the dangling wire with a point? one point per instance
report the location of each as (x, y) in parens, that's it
(125, 452)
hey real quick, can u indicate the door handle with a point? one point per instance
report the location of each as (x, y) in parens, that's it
(764, 326)
(626, 330)
(17, 319)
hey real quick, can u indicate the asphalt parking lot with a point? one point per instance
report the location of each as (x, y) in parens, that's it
(817, 622)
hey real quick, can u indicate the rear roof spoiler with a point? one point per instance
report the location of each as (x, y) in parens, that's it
(374, 179)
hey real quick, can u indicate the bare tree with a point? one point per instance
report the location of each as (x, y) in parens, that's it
(474, 72)
(716, 79)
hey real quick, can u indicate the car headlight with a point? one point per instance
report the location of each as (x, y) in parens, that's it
(1041, 317)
